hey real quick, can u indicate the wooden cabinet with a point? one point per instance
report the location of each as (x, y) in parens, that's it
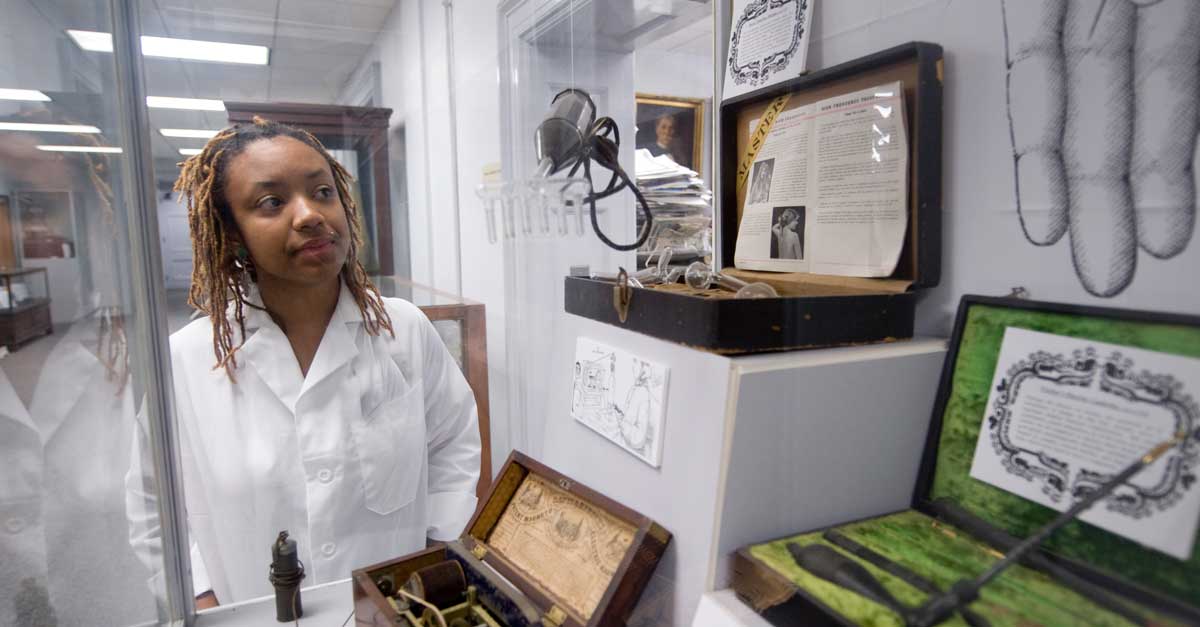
(24, 306)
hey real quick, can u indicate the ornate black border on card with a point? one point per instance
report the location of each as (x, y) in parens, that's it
(757, 71)
(1117, 377)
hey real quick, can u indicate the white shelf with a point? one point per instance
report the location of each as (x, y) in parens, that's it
(755, 448)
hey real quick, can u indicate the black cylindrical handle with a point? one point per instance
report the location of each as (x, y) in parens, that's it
(286, 573)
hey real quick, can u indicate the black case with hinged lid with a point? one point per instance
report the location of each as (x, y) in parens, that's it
(813, 310)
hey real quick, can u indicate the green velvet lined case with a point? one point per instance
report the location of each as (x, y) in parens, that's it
(1164, 590)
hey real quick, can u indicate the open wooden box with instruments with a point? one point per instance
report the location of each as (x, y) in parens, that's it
(1021, 381)
(543, 550)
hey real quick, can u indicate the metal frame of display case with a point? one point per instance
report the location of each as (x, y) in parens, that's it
(28, 320)
(473, 318)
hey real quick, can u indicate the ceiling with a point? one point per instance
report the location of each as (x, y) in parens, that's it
(315, 47)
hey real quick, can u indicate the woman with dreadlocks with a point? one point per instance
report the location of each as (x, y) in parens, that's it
(305, 401)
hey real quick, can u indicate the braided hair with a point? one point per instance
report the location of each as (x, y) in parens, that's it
(218, 276)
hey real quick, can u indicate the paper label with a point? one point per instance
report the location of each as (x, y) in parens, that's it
(1066, 414)
(620, 396)
(768, 43)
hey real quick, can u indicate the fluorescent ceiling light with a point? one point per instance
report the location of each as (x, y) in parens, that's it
(23, 94)
(187, 152)
(197, 133)
(196, 104)
(47, 128)
(171, 48)
(108, 149)
(92, 40)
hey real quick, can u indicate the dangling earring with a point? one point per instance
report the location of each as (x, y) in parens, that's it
(241, 258)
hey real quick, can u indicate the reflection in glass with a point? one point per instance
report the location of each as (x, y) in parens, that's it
(67, 399)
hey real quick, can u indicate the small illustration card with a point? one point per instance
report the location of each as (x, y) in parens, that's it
(620, 396)
(1066, 414)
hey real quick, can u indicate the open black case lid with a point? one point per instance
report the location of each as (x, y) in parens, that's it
(958, 415)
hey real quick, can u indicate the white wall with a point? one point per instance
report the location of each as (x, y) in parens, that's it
(447, 251)
(984, 250)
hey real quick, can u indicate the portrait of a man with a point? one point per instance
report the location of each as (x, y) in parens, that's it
(672, 128)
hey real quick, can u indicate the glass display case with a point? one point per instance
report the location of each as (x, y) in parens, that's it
(24, 306)
(421, 103)
(462, 326)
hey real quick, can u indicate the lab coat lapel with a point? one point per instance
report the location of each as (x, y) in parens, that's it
(338, 345)
(52, 401)
(10, 405)
(269, 352)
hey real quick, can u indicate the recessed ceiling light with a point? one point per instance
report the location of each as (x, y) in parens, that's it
(23, 94)
(197, 133)
(171, 48)
(196, 104)
(107, 149)
(187, 152)
(47, 128)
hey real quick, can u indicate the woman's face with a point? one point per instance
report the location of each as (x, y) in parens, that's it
(287, 211)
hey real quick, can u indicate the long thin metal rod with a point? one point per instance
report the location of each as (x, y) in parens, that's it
(964, 591)
(1036, 539)
(1000, 540)
(451, 88)
(151, 365)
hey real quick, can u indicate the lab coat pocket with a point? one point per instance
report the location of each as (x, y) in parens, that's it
(391, 451)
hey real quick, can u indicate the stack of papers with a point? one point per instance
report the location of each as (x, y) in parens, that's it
(669, 188)
(679, 200)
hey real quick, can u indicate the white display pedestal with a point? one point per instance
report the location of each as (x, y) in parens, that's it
(755, 448)
(723, 609)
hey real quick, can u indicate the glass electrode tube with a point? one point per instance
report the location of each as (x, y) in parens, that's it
(699, 276)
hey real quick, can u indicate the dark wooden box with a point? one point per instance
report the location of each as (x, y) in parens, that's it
(951, 503)
(813, 310)
(530, 522)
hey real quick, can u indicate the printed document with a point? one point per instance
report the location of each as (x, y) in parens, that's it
(828, 191)
(1067, 414)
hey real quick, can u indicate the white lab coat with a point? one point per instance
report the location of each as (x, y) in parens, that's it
(86, 420)
(22, 537)
(360, 461)
(62, 517)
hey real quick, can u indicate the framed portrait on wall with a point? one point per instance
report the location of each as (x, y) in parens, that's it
(47, 220)
(672, 126)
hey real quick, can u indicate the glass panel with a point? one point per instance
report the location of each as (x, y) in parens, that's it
(451, 333)
(648, 66)
(641, 63)
(315, 425)
(69, 388)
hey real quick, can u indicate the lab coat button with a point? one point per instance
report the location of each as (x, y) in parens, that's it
(14, 524)
(328, 549)
(325, 475)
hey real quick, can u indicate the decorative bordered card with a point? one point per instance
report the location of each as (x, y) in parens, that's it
(1066, 414)
(768, 42)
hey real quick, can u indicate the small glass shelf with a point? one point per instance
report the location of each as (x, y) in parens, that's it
(22, 289)
(24, 306)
